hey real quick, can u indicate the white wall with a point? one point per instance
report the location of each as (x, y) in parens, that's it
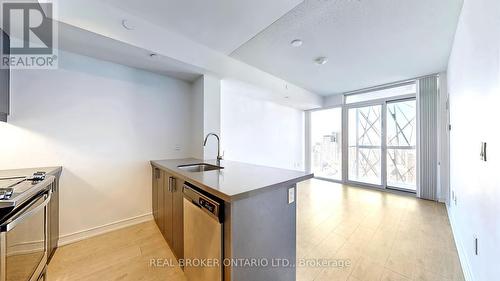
(259, 131)
(474, 88)
(333, 100)
(205, 116)
(103, 123)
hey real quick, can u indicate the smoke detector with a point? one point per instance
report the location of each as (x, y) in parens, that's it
(321, 60)
(128, 25)
(296, 43)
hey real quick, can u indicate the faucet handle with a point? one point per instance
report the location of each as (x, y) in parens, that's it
(221, 156)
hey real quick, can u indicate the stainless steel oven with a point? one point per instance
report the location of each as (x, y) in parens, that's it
(24, 234)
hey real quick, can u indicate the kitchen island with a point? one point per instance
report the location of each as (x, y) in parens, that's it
(259, 214)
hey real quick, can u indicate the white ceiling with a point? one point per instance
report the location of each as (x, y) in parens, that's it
(94, 45)
(368, 42)
(222, 25)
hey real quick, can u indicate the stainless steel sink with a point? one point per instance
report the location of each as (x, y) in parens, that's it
(200, 167)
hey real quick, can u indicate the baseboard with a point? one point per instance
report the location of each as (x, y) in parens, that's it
(26, 248)
(85, 234)
(464, 261)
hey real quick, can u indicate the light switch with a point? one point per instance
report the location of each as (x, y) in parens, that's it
(483, 152)
(476, 245)
(291, 195)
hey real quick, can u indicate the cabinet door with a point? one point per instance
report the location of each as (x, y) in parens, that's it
(161, 204)
(178, 224)
(154, 193)
(167, 211)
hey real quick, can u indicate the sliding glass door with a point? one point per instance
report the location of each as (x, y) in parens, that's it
(365, 144)
(326, 148)
(402, 144)
(382, 144)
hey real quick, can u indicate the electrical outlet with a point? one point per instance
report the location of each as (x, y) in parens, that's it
(454, 197)
(291, 195)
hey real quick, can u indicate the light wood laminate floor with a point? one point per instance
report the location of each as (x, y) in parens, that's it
(123, 254)
(383, 236)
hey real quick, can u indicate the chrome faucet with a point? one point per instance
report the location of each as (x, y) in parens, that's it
(219, 157)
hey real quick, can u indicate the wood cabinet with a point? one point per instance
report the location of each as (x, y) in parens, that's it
(168, 209)
(155, 185)
(177, 217)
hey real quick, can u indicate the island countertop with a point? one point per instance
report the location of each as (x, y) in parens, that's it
(237, 180)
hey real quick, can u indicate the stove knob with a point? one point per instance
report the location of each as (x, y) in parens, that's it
(39, 176)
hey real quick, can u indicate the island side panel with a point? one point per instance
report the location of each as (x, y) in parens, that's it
(227, 240)
(263, 226)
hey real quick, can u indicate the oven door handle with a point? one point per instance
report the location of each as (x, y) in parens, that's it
(10, 224)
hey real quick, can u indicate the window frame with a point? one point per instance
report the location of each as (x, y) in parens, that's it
(345, 133)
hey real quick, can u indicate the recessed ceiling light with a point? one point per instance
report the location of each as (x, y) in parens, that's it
(128, 25)
(321, 60)
(296, 43)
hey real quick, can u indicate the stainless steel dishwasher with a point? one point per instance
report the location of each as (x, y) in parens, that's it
(203, 236)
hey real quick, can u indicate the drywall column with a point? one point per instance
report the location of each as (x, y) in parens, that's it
(307, 140)
(206, 116)
(211, 114)
(427, 103)
(197, 119)
(443, 141)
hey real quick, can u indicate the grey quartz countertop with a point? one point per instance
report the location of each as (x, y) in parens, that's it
(237, 180)
(29, 171)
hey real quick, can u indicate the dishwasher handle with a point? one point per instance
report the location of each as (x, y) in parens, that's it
(212, 207)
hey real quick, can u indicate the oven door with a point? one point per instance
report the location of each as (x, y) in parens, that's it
(23, 242)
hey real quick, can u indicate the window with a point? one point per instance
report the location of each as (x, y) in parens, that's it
(326, 148)
(380, 148)
(402, 90)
